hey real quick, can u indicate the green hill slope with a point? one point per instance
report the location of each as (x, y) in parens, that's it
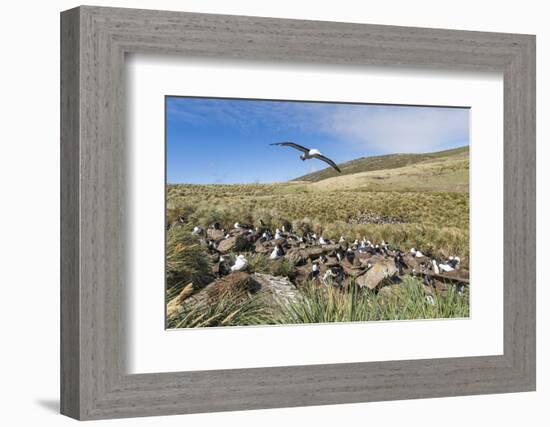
(378, 163)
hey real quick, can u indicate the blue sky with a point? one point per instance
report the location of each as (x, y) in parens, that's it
(214, 141)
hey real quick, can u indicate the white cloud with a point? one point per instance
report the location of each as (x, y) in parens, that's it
(399, 129)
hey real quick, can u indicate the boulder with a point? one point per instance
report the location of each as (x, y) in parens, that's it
(237, 232)
(459, 275)
(227, 245)
(214, 234)
(234, 243)
(297, 256)
(352, 270)
(301, 256)
(277, 289)
(376, 274)
(330, 248)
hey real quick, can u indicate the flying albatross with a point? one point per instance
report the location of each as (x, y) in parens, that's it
(309, 153)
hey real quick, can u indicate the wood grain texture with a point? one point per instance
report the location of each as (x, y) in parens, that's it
(94, 238)
(70, 297)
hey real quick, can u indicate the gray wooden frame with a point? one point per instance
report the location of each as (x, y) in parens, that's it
(94, 41)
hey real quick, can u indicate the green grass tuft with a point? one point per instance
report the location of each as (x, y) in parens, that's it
(227, 310)
(186, 261)
(326, 305)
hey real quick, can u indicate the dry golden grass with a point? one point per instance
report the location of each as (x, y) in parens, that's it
(430, 199)
(448, 174)
(437, 221)
(385, 162)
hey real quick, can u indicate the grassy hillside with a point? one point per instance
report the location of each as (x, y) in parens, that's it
(430, 196)
(407, 200)
(438, 174)
(386, 162)
(438, 221)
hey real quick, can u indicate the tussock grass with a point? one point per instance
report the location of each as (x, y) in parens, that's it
(228, 309)
(186, 262)
(259, 263)
(428, 193)
(233, 204)
(409, 301)
(320, 304)
(432, 221)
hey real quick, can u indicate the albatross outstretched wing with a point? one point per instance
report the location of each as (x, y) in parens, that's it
(327, 160)
(293, 145)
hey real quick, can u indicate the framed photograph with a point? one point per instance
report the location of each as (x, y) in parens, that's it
(254, 236)
(262, 213)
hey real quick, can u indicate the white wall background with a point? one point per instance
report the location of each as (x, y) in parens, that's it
(29, 224)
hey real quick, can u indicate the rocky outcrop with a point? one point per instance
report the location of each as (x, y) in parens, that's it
(234, 244)
(227, 245)
(301, 256)
(369, 266)
(353, 270)
(216, 235)
(277, 289)
(375, 275)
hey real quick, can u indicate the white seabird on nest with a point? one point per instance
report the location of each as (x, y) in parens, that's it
(435, 267)
(240, 226)
(240, 263)
(277, 252)
(446, 268)
(451, 265)
(416, 253)
(454, 261)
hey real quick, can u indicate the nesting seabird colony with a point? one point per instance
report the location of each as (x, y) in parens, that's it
(328, 262)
